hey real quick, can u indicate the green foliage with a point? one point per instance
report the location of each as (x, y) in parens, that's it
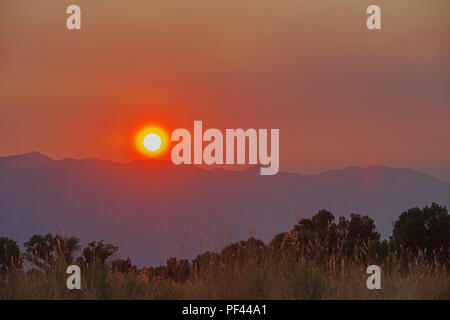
(356, 233)
(320, 237)
(10, 256)
(236, 254)
(320, 228)
(205, 263)
(43, 251)
(423, 228)
(98, 251)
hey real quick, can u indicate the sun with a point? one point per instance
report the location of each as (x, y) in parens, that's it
(152, 141)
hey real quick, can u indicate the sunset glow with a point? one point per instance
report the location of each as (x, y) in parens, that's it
(231, 66)
(152, 141)
(201, 152)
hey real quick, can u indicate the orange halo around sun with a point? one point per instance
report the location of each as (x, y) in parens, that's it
(152, 150)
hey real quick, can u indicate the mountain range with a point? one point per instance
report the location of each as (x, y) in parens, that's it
(154, 209)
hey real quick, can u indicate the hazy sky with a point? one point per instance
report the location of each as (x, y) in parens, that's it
(340, 94)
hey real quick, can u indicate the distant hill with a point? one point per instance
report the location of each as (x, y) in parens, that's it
(153, 209)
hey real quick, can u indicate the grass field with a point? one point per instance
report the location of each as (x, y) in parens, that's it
(316, 259)
(252, 277)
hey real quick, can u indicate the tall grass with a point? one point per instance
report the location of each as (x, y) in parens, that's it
(246, 270)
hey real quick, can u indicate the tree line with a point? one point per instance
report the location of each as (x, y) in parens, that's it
(418, 231)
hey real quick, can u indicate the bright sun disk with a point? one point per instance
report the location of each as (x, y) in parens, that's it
(152, 141)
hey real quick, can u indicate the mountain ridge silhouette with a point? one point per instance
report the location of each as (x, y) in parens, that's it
(154, 209)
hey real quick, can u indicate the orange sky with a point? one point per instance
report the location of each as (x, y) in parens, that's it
(340, 94)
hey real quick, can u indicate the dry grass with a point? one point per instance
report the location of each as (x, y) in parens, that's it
(253, 275)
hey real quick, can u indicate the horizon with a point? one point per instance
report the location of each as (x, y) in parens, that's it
(138, 204)
(237, 168)
(339, 93)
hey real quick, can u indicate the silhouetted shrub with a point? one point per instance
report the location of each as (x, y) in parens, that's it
(44, 250)
(98, 251)
(426, 228)
(10, 256)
